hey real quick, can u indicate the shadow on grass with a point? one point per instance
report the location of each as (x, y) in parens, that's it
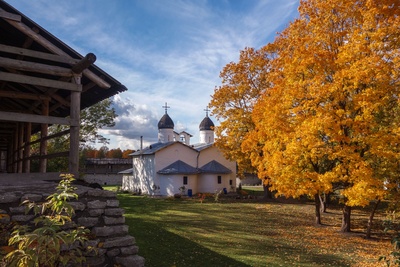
(186, 233)
(162, 248)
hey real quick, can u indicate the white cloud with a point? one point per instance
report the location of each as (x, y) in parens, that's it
(162, 51)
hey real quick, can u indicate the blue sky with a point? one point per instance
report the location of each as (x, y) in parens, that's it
(161, 50)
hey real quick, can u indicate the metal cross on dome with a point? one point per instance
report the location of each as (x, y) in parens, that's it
(166, 107)
(207, 110)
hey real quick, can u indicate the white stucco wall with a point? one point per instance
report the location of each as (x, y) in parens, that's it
(166, 135)
(208, 183)
(174, 152)
(207, 136)
(212, 153)
(143, 177)
(145, 170)
(170, 184)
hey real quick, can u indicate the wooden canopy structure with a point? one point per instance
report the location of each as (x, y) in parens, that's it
(42, 82)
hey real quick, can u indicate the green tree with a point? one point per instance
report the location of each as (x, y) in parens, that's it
(93, 118)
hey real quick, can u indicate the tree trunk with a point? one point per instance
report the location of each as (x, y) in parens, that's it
(371, 217)
(267, 192)
(317, 209)
(345, 228)
(322, 200)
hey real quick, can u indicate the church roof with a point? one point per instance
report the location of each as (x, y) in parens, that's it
(179, 167)
(166, 122)
(153, 148)
(215, 167)
(206, 124)
(184, 132)
(202, 146)
(127, 171)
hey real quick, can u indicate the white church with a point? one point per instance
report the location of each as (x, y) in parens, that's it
(174, 166)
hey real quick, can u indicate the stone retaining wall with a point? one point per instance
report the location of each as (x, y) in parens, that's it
(97, 210)
(103, 179)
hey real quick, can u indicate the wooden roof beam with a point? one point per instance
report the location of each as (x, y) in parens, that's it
(18, 78)
(51, 47)
(7, 15)
(24, 117)
(13, 94)
(34, 67)
(37, 54)
(83, 64)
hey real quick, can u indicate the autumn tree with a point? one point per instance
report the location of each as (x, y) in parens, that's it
(233, 101)
(331, 117)
(89, 152)
(126, 153)
(114, 153)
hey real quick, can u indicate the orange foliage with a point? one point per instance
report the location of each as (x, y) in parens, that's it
(324, 102)
(331, 115)
(242, 84)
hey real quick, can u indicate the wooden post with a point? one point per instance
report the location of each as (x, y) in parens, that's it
(27, 147)
(15, 150)
(20, 148)
(9, 163)
(43, 141)
(74, 129)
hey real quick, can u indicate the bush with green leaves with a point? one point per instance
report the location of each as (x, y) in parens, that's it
(49, 242)
(391, 225)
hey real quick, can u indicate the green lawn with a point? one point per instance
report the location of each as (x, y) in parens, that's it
(185, 232)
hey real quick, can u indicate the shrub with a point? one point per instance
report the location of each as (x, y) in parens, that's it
(391, 225)
(48, 244)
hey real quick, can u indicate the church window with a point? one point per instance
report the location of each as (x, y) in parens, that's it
(219, 179)
(184, 179)
(230, 182)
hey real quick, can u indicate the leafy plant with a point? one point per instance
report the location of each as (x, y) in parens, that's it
(217, 194)
(182, 189)
(202, 196)
(393, 259)
(48, 244)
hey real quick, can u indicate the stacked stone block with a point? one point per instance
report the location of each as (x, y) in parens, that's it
(95, 209)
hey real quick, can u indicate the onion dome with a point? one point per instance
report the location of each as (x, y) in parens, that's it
(166, 122)
(206, 124)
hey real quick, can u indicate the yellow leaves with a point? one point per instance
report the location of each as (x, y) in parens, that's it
(325, 118)
(320, 104)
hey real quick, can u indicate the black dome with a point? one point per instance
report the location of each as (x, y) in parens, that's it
(206, 124)
(166, 122)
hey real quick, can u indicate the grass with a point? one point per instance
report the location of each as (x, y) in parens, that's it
(186, 232)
